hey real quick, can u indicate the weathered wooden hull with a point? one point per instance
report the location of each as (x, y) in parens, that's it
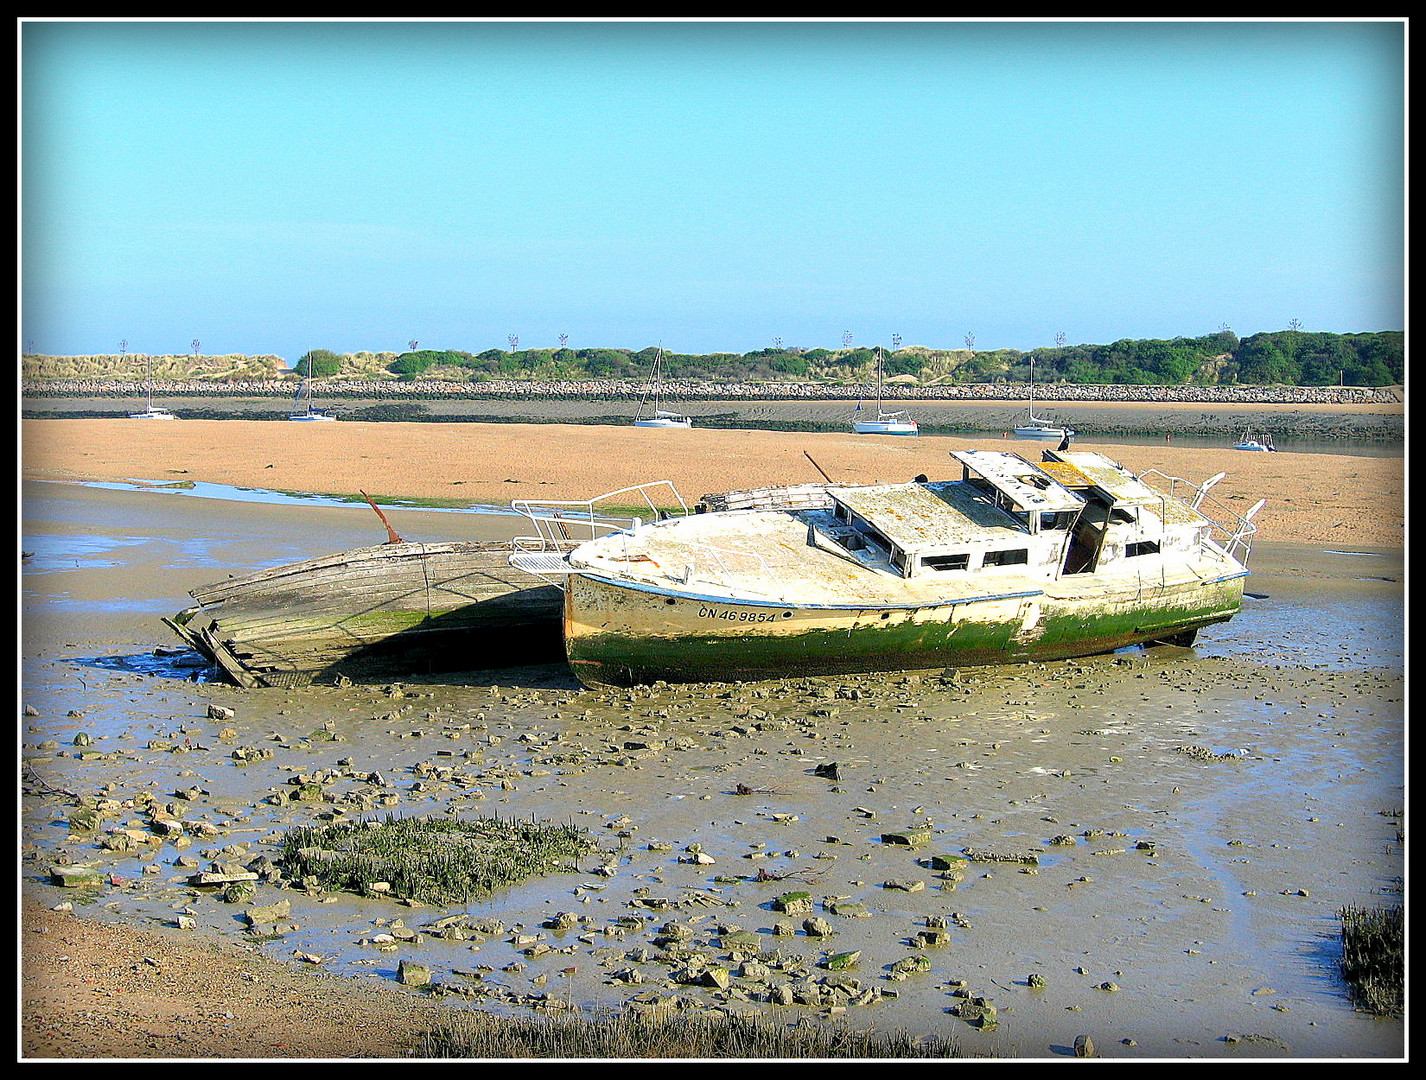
(384, 611)
(621, 634)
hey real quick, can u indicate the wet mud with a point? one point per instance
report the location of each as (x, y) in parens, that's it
(1148, 847)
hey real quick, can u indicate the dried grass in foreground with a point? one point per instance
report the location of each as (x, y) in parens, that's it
(478, 1035)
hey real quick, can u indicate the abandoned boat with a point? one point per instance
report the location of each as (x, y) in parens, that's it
(1012, 562)
(400, 608)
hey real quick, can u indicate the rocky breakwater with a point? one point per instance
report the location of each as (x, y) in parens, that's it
(620, 390)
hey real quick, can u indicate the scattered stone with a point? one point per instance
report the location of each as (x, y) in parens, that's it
(912, 838)
(904, 885)
(410, 973)
(793, 903)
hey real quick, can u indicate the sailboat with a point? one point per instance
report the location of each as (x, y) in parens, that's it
(893, 423)
(661, 417)
(151, 413)
(304, 395)
(1034, 427)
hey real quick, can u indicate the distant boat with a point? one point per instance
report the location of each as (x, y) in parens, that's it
(661, 418)
(151, 413)
(1036, 428)
(1247, 442)
(304, 396)
(886, 423)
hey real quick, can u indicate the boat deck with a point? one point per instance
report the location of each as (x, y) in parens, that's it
(798, 558)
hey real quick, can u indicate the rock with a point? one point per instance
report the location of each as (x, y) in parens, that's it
(740, 939)
(908, 838)
(268, 913)
(946, 863)
(77, 876)
(410, 973)
(220, 712)
(1083, 1046)
(905, 885)
(817, 927)
(910, 965)
(978, 1012)
(793, 903)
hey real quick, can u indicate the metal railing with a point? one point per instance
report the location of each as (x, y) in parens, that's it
(1236, 530)
(563, 525)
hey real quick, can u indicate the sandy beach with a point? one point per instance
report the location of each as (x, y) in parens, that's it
(1199, 815)
(1312, 498)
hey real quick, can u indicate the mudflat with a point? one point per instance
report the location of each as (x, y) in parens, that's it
(1164, 837)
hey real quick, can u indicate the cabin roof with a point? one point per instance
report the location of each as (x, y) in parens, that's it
(1027, 486)
(914, 517)
(1085, 468)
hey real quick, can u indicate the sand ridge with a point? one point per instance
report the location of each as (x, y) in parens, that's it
(1343, 500)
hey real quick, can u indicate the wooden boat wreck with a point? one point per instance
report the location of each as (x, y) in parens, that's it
(385, 611)
(397, 608)
(1012, 562)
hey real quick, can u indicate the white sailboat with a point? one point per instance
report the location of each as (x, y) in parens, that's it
(304, 396)
(661, 418)
(151, 413)
(1034, 427)
(886, 423)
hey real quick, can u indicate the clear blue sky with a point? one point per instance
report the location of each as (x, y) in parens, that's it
(274, 187)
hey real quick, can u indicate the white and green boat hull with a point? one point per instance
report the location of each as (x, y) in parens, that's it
(626, 633)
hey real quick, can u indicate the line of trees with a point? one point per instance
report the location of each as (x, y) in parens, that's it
(1284, 357)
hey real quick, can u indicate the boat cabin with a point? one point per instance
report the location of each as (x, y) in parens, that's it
(1075, 513)
(1124, 518)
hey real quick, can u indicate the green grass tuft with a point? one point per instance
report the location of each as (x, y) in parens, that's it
(432, 860)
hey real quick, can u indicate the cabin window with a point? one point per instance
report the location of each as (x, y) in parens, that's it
(898, 560)
(1060, 519)
(1124, 513)
(1141, 547)
(1009, 557)
(946, 562)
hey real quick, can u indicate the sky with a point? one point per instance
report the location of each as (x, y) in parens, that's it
(264, 187)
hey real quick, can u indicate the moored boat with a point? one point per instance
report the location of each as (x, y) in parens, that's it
(1011, 562)
(151, 412)
(1258, 446)
(660, 417)
(1036, 428)
(308, 412)
(886, 423)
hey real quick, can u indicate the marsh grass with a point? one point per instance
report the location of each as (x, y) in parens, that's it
(1374, 958)
(634, 1036)
(431, 860)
